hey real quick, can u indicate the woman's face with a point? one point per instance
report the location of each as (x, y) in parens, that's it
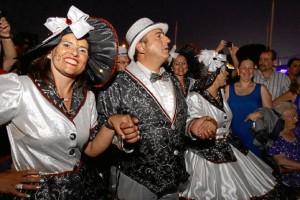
(180, 66)
(290, 117)
(70, 56)
(222, 78)
(295, 68)
(246, 70)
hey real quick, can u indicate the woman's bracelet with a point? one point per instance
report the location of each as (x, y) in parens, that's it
(108, 125)
(6, 37)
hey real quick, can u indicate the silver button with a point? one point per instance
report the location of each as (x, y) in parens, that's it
(72, 136)
(176, 152)
(71, 152)
(173, 127)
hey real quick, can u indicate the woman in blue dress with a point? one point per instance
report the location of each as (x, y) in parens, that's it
(244, 97)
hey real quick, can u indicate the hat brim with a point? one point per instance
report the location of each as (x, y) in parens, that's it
(103, 45)
(131, 51)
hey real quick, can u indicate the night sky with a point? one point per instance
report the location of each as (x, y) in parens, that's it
(202, 22)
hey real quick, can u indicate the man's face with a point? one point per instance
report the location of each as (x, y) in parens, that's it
(122, 63)
(157, 45)
(265, 61)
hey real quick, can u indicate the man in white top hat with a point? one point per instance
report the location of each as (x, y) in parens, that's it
(123, 59)
(153, 167)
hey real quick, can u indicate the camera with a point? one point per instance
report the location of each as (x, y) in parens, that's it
(229, 44)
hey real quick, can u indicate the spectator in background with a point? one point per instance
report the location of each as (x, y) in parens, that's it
(286, 149)
(277, 83)
(244, 97)
(293, 95)
(293, 67)
(123, 59)
(184, 62)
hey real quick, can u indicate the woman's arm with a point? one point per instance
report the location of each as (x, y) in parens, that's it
(123, 125)
(9, 51)
(288, 96)
(282, 160)
(233, 50)
(226, 92)
(266, 97)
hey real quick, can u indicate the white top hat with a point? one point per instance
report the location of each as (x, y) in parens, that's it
(139, 29)
(122, 51)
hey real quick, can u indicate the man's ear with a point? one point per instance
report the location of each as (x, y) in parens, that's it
(140, 47)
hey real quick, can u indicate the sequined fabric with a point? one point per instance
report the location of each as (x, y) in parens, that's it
(157, 161)
(85, 184)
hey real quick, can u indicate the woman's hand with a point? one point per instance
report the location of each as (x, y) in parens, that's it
(204, 127)
(126, 127)
(254, 116)
(4, 28)
(221, 46)
(12, 182)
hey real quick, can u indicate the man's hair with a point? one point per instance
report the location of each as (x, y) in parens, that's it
(145, 40)
(273, 52)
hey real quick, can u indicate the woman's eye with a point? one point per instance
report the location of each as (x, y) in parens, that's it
(66, 44)
(83, 50)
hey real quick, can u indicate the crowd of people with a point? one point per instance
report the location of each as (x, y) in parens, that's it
(171, 123)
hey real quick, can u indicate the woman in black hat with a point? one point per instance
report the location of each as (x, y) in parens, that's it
(220, 168)
(183, 64)
(51, 115)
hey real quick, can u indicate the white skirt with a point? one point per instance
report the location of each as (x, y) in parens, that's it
(247, 177)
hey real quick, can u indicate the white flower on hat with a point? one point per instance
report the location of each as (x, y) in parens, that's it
(76, 20)
(211, 59)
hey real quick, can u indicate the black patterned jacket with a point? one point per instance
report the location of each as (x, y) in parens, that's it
(157, 161)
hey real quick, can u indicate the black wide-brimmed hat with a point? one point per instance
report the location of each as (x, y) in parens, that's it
(100, 34)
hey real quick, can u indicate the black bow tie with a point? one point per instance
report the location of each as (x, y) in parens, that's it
(164, 76)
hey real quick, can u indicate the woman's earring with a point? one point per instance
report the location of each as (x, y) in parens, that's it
(48, 56)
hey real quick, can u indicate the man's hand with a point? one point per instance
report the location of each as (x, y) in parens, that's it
(204, 127)
(126, 127)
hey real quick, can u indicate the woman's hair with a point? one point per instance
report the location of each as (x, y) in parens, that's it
(294, 87)
(189, 52)
(40, 69)
(290, 62)
(283, 106)
(245, 58)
